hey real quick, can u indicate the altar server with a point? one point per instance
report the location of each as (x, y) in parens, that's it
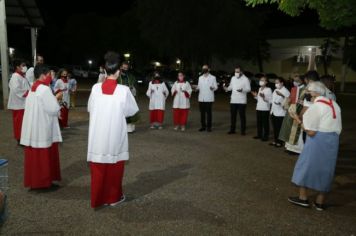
(157, 92)
(62, 86)
(19, 88)
(109, 104)
(41, 133)
(181, 92)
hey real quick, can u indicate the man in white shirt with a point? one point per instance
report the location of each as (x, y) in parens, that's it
(239, 87)
(207, 86)
(30, 76)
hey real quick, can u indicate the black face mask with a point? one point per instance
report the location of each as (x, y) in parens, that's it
(308, 97)
(205, 71)
(124, 71)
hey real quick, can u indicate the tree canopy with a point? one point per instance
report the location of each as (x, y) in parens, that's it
(333, 14)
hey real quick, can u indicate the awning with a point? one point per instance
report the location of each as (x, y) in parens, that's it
(23, 12)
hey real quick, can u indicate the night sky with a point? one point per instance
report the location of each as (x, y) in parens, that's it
(56, 14)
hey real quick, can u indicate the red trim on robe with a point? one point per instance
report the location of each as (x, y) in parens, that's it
(25, 94)
(293, 95)
(180, 116)
(41, 166)
(17, 118)
(64, 114)
(156, 116)
(106, 183)
(108, 86)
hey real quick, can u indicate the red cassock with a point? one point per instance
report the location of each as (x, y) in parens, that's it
(156, 116)
(106, 178)
(63, 122)
(17, 117)
(180, 116)
(42, 166)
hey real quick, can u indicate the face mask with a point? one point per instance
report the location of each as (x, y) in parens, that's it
(237, 74)
(124, 70)
(48, 80)
(262, 83)
(24, 69)
(296, 84)
(180, 78)
(101, 70)
(308, 97)
(205, 71)
(278, 86)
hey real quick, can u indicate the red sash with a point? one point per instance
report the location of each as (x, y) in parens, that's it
(330, 104)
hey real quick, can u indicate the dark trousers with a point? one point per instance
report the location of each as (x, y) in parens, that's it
(241, 108)
(205, 114)
(263, 124)
(277, 124)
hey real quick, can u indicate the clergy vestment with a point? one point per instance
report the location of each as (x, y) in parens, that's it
(109, 104)
(158, 93)
(181, 92)
(19, 88)
(40, 136)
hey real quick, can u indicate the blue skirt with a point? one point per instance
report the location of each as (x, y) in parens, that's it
(315, 167)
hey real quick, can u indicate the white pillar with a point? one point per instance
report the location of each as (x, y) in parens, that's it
(34, 44)
(4, 53)
(312, 60)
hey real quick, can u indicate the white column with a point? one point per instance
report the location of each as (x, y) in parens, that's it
(4, 53)
(34, 44)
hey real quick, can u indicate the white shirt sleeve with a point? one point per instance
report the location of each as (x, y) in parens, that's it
(311, 118)
(247, 87)
(50, 103)
(131, 107)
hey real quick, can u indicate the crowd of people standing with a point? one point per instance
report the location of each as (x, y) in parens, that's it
(306, 120)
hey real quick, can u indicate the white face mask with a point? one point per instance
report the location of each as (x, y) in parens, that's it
(278, 86)
(237, 74)
(262, 83)
(296, 84)
(24, 69)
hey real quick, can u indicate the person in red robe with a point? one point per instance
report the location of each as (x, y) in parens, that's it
(41, 133)
(19, 88)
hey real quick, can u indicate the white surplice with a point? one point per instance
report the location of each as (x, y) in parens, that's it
(108, 140)
(40, 128)
(180, 101)
(158, 94)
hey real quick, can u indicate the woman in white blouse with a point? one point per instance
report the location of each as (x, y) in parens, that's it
(316, 164)
(263, 97)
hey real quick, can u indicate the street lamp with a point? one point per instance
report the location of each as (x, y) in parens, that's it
(127, 55)
(178, 61)
(157, 64)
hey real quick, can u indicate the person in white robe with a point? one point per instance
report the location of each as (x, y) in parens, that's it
(62, 85)
(181, 92)
(30, 76)
(41, 133)
(157, 92)
(108, 106)
(19, 89)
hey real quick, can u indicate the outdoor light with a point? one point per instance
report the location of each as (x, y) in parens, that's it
(178, 61)
(90, 62)
(157, 63)
(127, 55)
(309, 49)
(11, 51)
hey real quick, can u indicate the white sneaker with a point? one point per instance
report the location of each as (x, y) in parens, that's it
(122, 199)
(176, 128)
(160, 127)
(183, 128)
(152, 127)
(130, 128)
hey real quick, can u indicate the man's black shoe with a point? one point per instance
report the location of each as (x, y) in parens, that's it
(231, 132)
(202, 129)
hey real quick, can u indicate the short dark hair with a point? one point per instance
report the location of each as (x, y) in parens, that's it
(281, 80)
(312, 75)
(40, 69)
(18, 62)
(112, 62)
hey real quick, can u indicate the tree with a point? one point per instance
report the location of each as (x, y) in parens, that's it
(329, 47)
(333, 14)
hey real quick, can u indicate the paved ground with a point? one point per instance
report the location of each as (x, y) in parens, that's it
(182, 184)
